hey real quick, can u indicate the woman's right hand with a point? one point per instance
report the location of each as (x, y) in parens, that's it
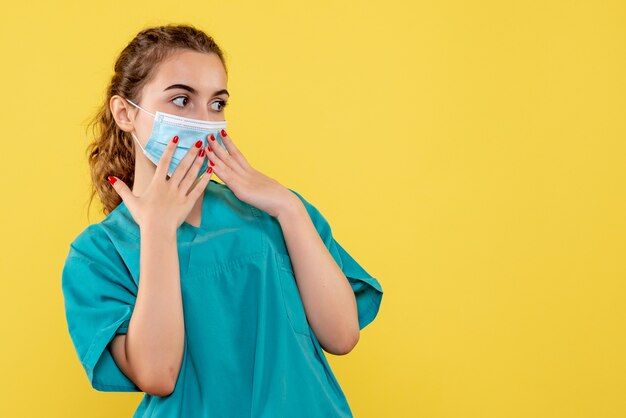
(167, 203)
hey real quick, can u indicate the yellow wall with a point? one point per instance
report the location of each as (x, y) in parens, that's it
(470, 155)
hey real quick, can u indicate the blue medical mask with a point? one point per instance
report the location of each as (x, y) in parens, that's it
(189, 131)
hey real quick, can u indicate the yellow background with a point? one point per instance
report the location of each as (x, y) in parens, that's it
(470, 155)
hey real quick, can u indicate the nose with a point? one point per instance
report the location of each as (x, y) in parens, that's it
(208, 115)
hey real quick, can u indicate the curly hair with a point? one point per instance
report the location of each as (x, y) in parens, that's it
(112, 149)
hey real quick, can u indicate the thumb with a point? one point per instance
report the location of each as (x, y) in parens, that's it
(122, 189)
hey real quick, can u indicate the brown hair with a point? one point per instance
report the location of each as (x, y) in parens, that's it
(112, 150)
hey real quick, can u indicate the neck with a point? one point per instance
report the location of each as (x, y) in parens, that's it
(144, 172)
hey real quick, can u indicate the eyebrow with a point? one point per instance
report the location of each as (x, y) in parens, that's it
(193, 91)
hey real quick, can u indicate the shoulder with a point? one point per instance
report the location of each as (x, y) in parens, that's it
(119, 225)
(100, 242)
(92, 238)
(93, 262)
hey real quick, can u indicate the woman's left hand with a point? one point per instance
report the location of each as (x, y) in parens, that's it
(248, 184)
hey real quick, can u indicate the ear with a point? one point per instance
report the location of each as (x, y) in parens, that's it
(122, 112)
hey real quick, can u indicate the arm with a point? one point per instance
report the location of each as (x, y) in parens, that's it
(151, 352)
(327, 296)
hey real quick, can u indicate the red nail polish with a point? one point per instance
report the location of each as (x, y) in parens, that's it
(112, 179)
(175, 139)
(208, 170)
(212, 163)
(201, 153)
(198, 144)
(223, 132)
(210, 149)
(212, 137)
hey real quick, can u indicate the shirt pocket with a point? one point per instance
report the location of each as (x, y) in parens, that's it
(291, 295)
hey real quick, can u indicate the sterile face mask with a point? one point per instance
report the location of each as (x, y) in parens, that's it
(189, 131)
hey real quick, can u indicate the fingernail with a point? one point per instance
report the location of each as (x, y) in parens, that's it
(198, 144)
(112, 179)
(208, 170)
(175, 139)
(212, 163)
(201, 153)
(212, 137)
(223, 132)
(210, 149)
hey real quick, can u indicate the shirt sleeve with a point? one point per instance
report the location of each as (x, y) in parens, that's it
(367, 289)
(99, 297)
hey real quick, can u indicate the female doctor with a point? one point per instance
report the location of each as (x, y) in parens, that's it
(212, 299)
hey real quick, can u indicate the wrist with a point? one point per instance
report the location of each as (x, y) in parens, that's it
(160, 229)
(293, 206)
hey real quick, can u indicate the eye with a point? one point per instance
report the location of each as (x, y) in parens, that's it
(177, 98)
(222, 103)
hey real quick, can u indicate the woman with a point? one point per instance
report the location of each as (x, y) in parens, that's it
(213, 299)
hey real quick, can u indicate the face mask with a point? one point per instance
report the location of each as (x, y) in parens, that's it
(189, 131)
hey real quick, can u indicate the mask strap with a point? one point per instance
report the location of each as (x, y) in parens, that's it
(132, 133)
(137, 106)
(138, 143)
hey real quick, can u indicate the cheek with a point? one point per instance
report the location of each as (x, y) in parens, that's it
(143, 130)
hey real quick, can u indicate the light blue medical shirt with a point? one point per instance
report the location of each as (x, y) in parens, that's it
(249, 350)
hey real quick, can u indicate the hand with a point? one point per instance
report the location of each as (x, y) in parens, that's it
(167, 202)
(248, 184)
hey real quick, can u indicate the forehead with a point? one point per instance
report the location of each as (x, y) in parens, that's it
(200, 70)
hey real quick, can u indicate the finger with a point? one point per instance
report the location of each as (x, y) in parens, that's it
(192, 174)
(225, 173)
(220, 152)
(194, 193)
(166, 159)
(185, 163)
(233, 150)
(123, 191)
